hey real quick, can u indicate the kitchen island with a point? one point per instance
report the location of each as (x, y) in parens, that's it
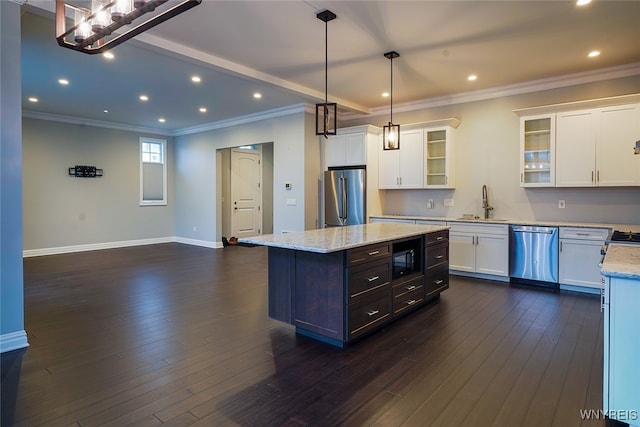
(620, 297)
(338, 284)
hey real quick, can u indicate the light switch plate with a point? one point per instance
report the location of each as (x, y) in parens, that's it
(448, 202)
(292, 202)
(561, 204)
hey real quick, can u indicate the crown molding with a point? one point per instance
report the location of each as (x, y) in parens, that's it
(250, 118)
(610, 101)
(95, 123)
(601, 74)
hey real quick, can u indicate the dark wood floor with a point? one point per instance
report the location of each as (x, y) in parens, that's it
(178, 335)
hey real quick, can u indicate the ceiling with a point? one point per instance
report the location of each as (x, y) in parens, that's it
(276, 48)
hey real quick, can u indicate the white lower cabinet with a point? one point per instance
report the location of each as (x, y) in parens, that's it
(479, 248)
(621, 373)
(580, 255)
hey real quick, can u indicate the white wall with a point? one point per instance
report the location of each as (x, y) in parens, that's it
(487, 152)
(12, 333)
(195, 174)
(62, 211)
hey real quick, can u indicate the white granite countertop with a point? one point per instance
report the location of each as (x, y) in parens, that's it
(549, 223)
(335, 239)
(622, 261)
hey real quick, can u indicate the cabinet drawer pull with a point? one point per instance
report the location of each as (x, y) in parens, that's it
(371, 279)
(440, 238)
(372, 253)
(411, 302)
(437, 282)
(583, 234)
(440, 257)
(372, 312)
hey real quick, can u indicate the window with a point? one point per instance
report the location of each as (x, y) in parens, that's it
(153, 172)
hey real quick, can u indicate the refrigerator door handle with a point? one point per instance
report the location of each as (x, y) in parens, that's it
(345, 213)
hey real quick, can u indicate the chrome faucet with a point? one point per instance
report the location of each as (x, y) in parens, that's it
(485, 202)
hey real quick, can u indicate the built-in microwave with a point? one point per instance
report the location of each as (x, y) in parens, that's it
(403, 262)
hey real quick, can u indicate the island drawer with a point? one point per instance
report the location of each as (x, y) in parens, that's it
(407, 296)
(437, 237)
(366, 278)
(407, 287)
(367, 314)
(436, 280)
(436, 254)
(368, 253)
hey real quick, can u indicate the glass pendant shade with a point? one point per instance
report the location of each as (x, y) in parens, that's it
(120, 8)
(391, 137)
(101, 15)
(82, 26)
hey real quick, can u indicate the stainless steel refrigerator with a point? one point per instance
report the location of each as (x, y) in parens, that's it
(344, 197)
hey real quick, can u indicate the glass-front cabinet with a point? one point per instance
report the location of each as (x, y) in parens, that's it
(537, 151)
(439, 150)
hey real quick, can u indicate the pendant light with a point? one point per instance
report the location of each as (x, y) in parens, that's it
(107, 23)
(391, 132)
(326, 113)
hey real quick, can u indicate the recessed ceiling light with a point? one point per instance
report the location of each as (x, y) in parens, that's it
(196, 79)
(582, 2)
(161, 120)
(257, 95)
(33, 99)
(144, 98)
(63, 81)
(105, 111)
(385, 94)
(108, 55)
(594, 53)
(472, 77)
(203, 109)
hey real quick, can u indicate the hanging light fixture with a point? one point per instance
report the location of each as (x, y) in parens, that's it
(326, 113)
(391, 132)
(94, 30)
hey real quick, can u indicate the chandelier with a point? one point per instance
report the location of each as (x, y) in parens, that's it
(107, 23)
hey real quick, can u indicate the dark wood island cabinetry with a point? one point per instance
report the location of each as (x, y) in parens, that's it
(339, 284)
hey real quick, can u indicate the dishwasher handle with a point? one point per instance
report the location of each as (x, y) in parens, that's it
(539, 231)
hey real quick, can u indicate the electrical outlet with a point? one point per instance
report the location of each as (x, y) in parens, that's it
(448, 202)
(561, 204)
(430, 204)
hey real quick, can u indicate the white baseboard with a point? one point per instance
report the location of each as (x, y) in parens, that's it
(13, 341)
(196, 242)
(121, 244)
(95, 246)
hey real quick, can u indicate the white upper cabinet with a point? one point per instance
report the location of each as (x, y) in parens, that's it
(346, 150)
(537, 151)
(403, 168)
(594, 148)
(619, 129)
(576, 149)
(439, 158)
(425, 158)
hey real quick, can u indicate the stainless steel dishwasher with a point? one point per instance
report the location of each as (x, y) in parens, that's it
(534, 253)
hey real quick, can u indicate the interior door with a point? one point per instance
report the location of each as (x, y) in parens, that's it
(246, 193)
